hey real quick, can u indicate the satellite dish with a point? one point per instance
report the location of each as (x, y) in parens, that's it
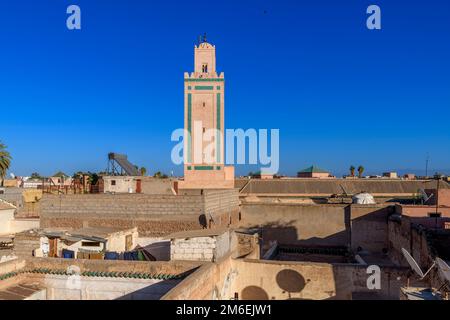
(444, 269)
(424, 195)
(413, 264)
(12, 175)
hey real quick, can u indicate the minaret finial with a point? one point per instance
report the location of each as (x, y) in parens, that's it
(204, 37)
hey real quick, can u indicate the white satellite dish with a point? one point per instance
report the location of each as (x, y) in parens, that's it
(444, 269)
(424, 195)
(415, 266)
(412, 263)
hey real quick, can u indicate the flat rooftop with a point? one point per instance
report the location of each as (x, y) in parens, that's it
(335, 186)
(196, 233)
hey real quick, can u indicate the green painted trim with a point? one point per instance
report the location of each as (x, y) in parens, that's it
(218, 87)
(205, 80)
(218, 168)
(203, 167)
(189, 167)
(218, 128)
(204, 87)
(189, 97)
(189, 87)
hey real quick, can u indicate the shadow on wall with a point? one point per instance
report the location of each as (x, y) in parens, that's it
(362, 228)
(152, 292)
(160, 250)
(288, 235)
(290, 281)
(369, 229)
(203, 221)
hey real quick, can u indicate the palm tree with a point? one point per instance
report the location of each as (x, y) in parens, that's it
(35, 175)
(352, 171)
(360, 171)
(143, 171)
(160, 175)
(5, 161)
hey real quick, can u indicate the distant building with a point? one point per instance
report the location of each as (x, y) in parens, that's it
(410, 176)
(429, 207)
(9, 224)
(313, 172)
(136, 184)
(390, 174)
(11, 183)
(261, 176)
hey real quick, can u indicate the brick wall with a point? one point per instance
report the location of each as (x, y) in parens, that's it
(200, 249)
(154, 215)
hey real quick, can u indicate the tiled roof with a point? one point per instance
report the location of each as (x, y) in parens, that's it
(313, 169)
(113, 274)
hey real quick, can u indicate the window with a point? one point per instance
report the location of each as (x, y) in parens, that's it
(204, 104)
(113, 182)
(90, 244)
(434, 215)
(204, 129)
(205, 68)
(128, 242)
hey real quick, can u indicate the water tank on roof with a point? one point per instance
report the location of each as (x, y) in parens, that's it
(363, 198)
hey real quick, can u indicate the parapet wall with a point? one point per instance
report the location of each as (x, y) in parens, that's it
(152, 267)
(250, 279)
(119, 205)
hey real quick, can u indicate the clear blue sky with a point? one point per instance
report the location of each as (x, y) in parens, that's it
(339, 93)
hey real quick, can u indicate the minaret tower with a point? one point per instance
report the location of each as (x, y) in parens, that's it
(204, 123)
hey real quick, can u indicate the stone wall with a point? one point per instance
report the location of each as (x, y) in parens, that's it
(369, 227)
(361, 226)
(212, 281)
(154, 215)
(298, 223)
(25, 243)
(402, 234)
